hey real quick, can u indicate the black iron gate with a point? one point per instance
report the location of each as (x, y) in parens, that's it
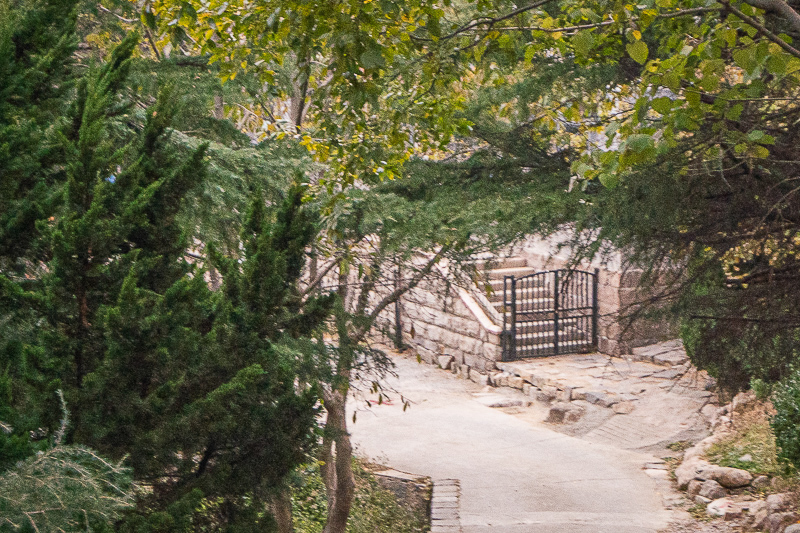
(549, 313)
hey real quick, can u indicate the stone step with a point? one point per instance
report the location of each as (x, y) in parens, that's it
(497, 295)
(531, 305)
(501, 262)
(500, 273)
(528, 339)
(563, 347)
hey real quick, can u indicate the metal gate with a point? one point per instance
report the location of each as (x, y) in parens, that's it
(549, 313)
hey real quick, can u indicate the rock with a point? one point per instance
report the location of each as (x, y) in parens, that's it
(794, 528)
(516, 382)
(623, 408)
(760, 512)
(600, 398)
(544, 396)
(477, 377)
(673, 358)
(724, 507)
(746, 458)
(709, 412)
(693, 488)
(463, 371)
(712, 490)
(777, 522)
(743, 400)
(578, 394)
(779, 502)
(497, 400)
(563, 412)
(688, 470)
(565, 395)
(700, 500)
(446, 361)
(760, 483)
(526, 389)
(730, 478)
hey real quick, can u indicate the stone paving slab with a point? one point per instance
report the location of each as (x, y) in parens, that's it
(445, 517)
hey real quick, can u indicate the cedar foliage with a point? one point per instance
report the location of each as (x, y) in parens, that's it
(209, 394)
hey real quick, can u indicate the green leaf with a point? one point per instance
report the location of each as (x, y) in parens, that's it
(609, 180)
(372, 58)
(638, 51)
(755, 135)
(662, 105)
(583, 42)
(639, 142)
(746, 58)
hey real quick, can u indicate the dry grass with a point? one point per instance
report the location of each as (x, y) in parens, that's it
(752, 435)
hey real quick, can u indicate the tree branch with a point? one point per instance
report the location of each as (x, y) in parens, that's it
(760, 27)
(415, 280)
(780, 8)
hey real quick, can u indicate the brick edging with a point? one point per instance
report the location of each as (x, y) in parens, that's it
(445, 502)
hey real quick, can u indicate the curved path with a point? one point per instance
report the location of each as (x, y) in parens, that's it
(516, 476)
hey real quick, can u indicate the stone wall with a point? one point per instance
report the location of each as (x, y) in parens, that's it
(441, 321)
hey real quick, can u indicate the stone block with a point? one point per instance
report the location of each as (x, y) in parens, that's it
(544, 396)
(446, 361)
(601, 398)
(565, 394)
(623, 408)
(477, 377)
(563, 412)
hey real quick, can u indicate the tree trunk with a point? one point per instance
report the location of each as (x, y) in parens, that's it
(281, 505)
(344, 489)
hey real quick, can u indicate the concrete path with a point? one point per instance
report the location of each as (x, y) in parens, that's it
(516, 476)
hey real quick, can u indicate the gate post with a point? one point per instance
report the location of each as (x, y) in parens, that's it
(555, 312)
(511, 332)
(595, 307)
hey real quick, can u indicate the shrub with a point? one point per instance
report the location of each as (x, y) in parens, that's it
(786, 422)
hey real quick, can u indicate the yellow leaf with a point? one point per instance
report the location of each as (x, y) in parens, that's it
(637, 34)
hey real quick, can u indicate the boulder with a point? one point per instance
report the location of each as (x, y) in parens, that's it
(760, 483)
(779, 502)
(693, 488)
(701, 500)
(688, 470)
(730, 478)
(794, 528)
(760, 512)
(712, 490)
(725, 508)
(777, 522)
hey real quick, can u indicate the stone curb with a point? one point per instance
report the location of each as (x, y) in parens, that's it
(445, 516)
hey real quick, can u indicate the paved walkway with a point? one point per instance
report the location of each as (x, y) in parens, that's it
(516, 475)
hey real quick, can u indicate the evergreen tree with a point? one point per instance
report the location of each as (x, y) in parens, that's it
(210, 394)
